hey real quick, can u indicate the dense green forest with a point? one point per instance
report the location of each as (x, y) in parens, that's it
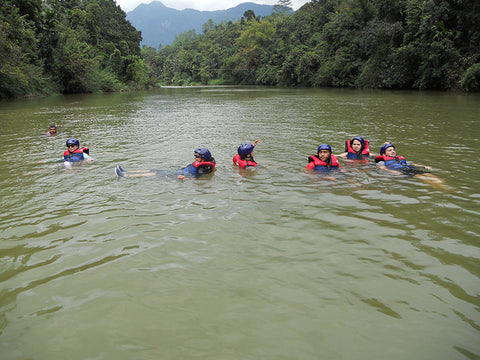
(67, 46)
(76, 46)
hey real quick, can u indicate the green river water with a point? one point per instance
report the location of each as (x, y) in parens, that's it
(272, 263)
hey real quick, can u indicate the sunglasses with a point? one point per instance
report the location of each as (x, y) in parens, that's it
(71, 145)
(197, 156)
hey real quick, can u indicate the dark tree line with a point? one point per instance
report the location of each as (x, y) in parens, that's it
(79, 46)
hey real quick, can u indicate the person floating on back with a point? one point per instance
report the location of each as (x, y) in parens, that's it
(324, 160)
(244, 157)
(204, 164)
(356, 148)
(75, 152)
(389, 160)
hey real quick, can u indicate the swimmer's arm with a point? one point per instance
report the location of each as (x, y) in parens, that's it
(342, 155)
(51, 161)
(420, 166)
(381, 165)
(309, 167)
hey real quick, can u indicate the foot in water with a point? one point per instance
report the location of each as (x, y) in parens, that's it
(119, 171)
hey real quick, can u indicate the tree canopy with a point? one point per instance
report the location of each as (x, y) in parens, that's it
(73, 46)
(404, 44)
(78, 46)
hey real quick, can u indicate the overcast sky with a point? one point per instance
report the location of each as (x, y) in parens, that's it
(202, 5)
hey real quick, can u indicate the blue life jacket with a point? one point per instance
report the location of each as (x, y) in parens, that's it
(77, 155)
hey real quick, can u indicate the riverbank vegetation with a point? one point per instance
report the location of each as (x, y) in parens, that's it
(80, 46)
(67, 46)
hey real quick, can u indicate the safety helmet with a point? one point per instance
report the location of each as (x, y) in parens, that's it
(73, 142)
(359, 138)
(385, 147)
(324, 147)
(245, 149)
(204, 153)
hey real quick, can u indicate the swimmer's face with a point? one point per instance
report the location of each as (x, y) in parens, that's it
(390, 151)
(52, 130)
(323, 155)
(72, 148)
(356, 145)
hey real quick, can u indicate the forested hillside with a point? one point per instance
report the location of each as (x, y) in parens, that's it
(67, 46)
(401, 44)
(78, 46)
(160, 24)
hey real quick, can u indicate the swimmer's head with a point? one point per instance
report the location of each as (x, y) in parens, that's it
(324, 147)
(385, 147)
(203, 153)
(245, 149)
(72, 142)
(359, 138)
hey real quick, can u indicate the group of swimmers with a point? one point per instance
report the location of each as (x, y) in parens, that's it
(74, 152)
(356, 149)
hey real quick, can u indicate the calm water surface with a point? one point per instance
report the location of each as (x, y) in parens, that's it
(272, 263)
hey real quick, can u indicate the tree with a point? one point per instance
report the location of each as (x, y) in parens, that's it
(282, 7)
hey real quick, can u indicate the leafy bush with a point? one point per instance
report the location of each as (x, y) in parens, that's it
(471, 80)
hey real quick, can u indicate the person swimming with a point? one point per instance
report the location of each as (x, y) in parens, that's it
(356, 148)
(74, 152)
(52, 131)
(204, 164)
(324, 160)
(388, 160)
(244, 157)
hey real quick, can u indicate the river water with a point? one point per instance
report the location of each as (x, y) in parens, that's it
(271, 263)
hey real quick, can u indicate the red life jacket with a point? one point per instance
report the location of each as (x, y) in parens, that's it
(351, 154)
(198, 168)
(207, 165)
(316, 164)
(242, 164)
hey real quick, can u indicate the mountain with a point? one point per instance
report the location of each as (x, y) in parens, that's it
(160, 24)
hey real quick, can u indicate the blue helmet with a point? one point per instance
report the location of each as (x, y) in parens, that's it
(359, 138)
(324, 147)
(206, 155)
(245, 149)
(73, 142)
(385, 147)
